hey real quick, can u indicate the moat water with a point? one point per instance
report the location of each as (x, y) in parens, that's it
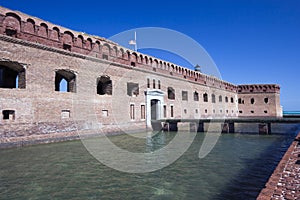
(237, 168)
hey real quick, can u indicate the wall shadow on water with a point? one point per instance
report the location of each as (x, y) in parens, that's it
(249, 182)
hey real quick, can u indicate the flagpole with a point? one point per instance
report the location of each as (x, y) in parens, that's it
(135, 46)
(133, 42)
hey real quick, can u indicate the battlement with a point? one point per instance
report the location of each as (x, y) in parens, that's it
(258, 88)
(27, 28)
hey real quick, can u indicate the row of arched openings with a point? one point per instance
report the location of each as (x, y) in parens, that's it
(65, 81)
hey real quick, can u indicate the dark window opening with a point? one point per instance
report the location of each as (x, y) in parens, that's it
(205, 110)
(67, 77)
(220, 98)
(8, 115)
(226, 99)
(265, 111)
(185, 111)
(171, 93)
(214, 111)
(165, 111)
(196, 96)
(213, 98)
(148, 83)
(143, 116)
(231, 99)
(104, 85)
(153, 83)
(105, 57)
(221, 111)
(172, 111)
(196, 111)
(67, 47)
(240, 101)
(132, 89)
(158, 82)
(205, 97)
(184, 95)
(266, 100)
(12, 76)
(132, 64)
(240, 111)
(252, 111)
(226, 111)
(11, 32)
(252, 101)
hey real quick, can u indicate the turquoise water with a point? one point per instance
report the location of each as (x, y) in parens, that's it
(237, 168)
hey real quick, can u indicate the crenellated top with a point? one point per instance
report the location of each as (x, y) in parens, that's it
(259, 88)
(19, 25)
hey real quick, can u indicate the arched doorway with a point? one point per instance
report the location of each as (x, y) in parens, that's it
(154, 102)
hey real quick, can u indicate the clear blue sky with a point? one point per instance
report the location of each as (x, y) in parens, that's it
(251, 41)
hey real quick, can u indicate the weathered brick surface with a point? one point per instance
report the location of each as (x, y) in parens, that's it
(39, 50)
(284, 183)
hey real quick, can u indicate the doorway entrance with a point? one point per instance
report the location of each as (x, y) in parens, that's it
(154, 102)
(155, 109)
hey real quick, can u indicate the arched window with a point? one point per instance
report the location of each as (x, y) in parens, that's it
(104, 85)
(266, 100)
(205, 97)
(213, 98)
(12, 75)
(65, 81)
(63, 85)
(184, 95)
(240, 101)
(196, 96)
(226, 99)
(171, 93)
(252, 101)
(220, 98)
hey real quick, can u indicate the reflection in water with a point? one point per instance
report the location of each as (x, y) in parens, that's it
(237, 168)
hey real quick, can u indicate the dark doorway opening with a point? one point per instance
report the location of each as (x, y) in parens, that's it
(154, 109)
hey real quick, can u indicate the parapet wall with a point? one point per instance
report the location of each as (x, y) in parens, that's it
(258, 88)
(25, 27)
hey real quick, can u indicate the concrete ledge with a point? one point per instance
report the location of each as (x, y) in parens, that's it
(284, 183)
(59, 137)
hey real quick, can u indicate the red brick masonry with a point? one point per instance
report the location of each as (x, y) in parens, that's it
(285, 180)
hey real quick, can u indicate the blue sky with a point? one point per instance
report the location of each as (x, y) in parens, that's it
(251, 41)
